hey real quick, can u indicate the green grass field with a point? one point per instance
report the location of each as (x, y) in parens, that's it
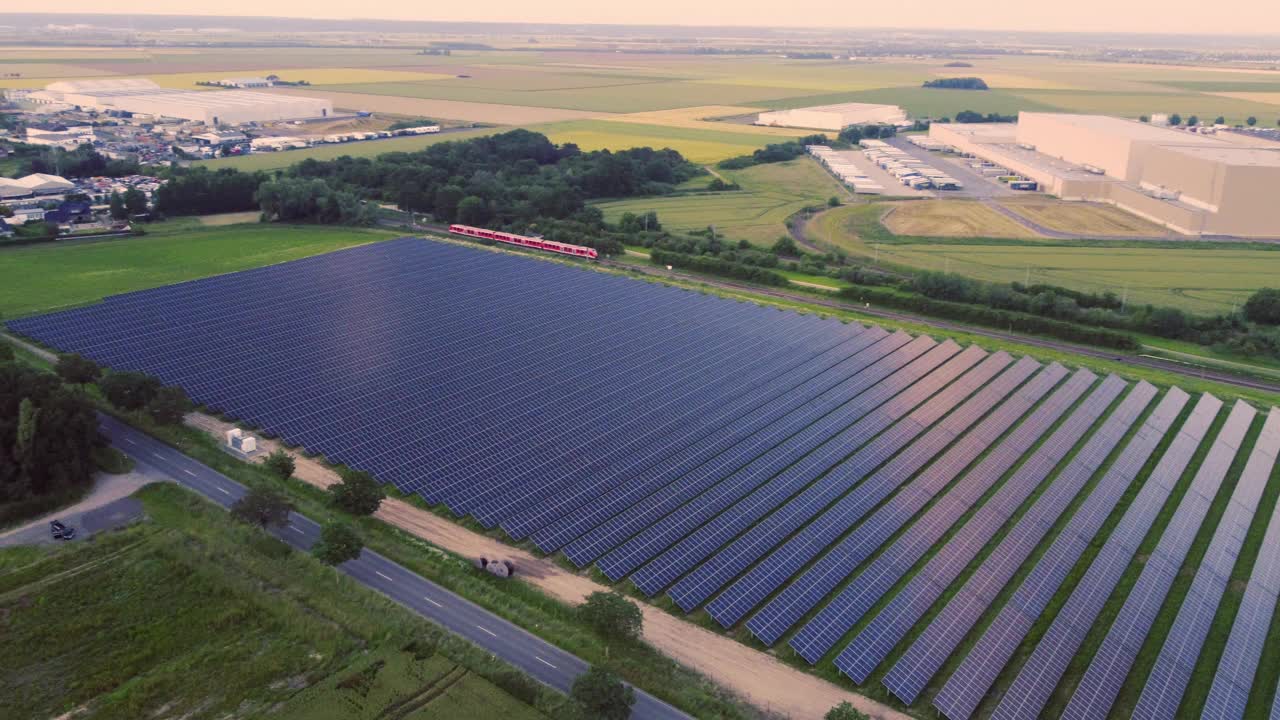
(45, 277)
(1193, 276)
(698, 145)
(758, 212)
(192, 615)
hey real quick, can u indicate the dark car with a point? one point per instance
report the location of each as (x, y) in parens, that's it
(60, 531)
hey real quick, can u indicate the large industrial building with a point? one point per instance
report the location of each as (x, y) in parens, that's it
(1192, 183)
(834, 117)
(211, 107)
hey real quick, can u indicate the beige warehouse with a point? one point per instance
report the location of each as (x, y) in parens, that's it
(834, 117)
(1189, 182)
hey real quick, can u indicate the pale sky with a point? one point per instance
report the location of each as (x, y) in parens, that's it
(1157, 16)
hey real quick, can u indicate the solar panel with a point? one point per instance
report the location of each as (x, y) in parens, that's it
(1106, 674)
(827, 387)
(1040, 674)
(1229, 693)
(708, 577)
(939, 640)
(836, 519)
(969, 683)
(745, 498)
(711, 423)
(860, 657)
(803, 593)
(1162, 693)
(659, 524)
(822, 632)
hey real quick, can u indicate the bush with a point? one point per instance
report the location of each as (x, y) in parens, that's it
(612, 615)
(358, 493)
(1263, 307)
(717, 266)
(602, 696)
(281, 464)
(262, 507)
(77, 369)
(845, 711)
(129, 390)
(338, 543)
(169, 405)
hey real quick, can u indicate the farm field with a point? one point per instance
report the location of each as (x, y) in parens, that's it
(757, 213)
(44, 277)
(856, 472)
(1083, 218)
(190, 614)
(493, 113)
(697, 144)
(1196, 277)
(951, 218)
(273, 160)
(590, 81)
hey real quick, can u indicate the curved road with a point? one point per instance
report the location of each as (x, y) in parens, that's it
(541, 660)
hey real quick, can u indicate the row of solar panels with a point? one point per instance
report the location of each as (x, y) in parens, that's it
(829, 485)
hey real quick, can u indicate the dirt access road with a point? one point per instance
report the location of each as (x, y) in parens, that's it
(761, 679)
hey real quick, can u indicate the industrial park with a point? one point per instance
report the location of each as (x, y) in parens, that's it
(563, 364)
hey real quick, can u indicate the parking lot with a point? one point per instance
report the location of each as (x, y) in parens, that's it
(975, 184)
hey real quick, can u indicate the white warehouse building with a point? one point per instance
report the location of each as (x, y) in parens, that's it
(212, 107)
(834, 117)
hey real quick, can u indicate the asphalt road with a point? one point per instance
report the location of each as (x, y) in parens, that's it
(540, 659)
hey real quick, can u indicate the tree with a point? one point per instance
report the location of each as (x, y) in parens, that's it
(1144, 118)
(833, 201)
(785, 245)
(1251, 121)
(1175, 119)
(358, 493)
(281, 464)
(118, 209)
(6, 211)
(845, 711)
(129, 390)
(1263, 307)
(1193, 121)
(338, 543)
(472, 211)
(262, 507)
(602, 696)
(169, 405)
(612, 615)
(24, 445)
(1220, 120)
(77, 369)
(135, 201)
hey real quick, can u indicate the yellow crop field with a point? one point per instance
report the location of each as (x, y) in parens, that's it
(697, 118)
(1084, 218)
(951, 218)
(700, 146)
(1269, 98)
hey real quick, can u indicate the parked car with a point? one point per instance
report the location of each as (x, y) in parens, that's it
(60, 531)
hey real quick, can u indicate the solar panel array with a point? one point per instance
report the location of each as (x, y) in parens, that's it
(764, 465)
(1162, 693)
(1041, 673)
(1111, 663)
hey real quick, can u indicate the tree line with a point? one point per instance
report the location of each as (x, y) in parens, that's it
(518, 181)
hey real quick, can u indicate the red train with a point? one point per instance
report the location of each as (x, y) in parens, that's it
(524, 241)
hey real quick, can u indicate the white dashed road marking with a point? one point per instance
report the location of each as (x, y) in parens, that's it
(487, 630)
(433, 602)
(296, 529)
(189, 473)
(544, 662)
(224, 491)
(384, 577)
